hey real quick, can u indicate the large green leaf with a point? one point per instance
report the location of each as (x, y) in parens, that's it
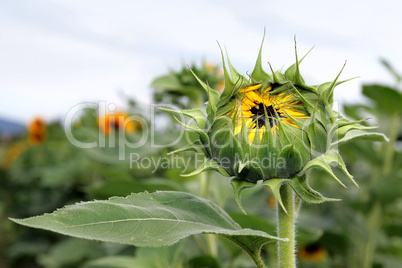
(167, 82)
(387, 99)
(147, 220)
(123, 188)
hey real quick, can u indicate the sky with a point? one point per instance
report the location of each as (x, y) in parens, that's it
(56, 54)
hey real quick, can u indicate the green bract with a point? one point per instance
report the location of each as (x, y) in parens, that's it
(272, 128)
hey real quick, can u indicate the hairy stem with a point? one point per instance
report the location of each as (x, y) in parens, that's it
(204, 193)
(286, 228)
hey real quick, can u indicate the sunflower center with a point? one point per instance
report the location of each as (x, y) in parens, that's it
(261, 113)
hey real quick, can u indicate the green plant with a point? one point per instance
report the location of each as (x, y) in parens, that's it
(283, 115)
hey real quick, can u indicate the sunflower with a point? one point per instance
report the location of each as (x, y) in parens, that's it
(116, 121)
(312, 253)
(37, 132)
(272, 127)
(263, 109)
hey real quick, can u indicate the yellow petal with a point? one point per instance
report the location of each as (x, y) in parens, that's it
(250, 88)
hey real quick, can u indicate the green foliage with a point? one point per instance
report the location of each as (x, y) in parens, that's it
(182, 89)
(55, 173)
(148, 220)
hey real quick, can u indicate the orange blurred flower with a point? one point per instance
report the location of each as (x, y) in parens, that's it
(37, 132)
(312, 252)
(221, 86)
(116, 121)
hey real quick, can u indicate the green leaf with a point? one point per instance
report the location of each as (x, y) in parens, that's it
(306, 193)
(208, 165)
(328, 94)
(335, 157)
(354, 111)
(293, 72)
(167, 82)
(231, 153)
(203, 136)
(195, 146)
(237, 78)
(239, 186)
(360, 135)
(249, 171)
(320, 162)
(305, 233)
(147, 220)
(292, 161)
(343, 125)
(387, 100)
(124, 188)
(213, 96)
(275, 185)
(258, 74)
(254, 222)
(229, 85)
(196, 114)
(317, 137)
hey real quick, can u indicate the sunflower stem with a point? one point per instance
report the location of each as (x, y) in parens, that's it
(286, 228)
(204, 193)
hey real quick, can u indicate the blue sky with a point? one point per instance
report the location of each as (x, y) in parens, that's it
(55, 54)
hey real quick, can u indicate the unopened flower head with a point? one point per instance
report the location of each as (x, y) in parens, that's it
(262, 110)
(276, 119)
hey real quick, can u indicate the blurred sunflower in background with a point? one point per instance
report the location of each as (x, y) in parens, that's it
(312, 253)
(114, 122)
(37, 132)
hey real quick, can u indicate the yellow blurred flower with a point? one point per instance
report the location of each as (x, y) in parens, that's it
(117, 121)
(209, 66)
(220, 86)
(37, 132)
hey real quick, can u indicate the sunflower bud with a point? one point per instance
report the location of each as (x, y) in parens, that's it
(272, 127)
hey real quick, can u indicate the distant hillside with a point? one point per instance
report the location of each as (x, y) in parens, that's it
(11, 128)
